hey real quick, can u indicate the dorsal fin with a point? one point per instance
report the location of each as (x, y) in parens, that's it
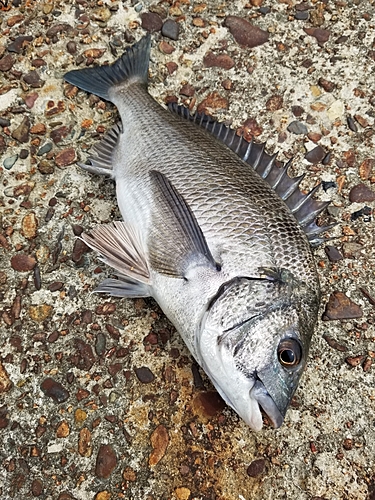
(304, 208)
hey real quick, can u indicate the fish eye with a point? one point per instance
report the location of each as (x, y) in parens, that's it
(289, 353)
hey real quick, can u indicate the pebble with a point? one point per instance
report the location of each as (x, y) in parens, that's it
(223, 61)
(85, 443)
(30, 99)
(21, 133)
(170, 29)
(316, 155)
(5, 382)
(333, 254)
(65, 157)
(354, 361)
(22, 262)
(244, 32)
(4, 122)
(151, 22)
(54, 390)
(182, 493)
(166, 48)
(301, 15)
(340, 307)
(19, 44)
(6, 63)
(100, 344)
(45, 167)
(24, 153)
(106, 309)
(213, 102)
(85, 356)
(10, 161)
(102, 14)
(71, 47)
(336, 110)
(187, 90)
(207, 404)
(106, 461)
(297, 111)
(29, 226)
(366, 168)
(94, 53)
(321, 35)
(274, 103)
(250, 129)
(171, 67)
(334, 344)
(327, 85)
(40, 312)
(159, 442)
(46, 148)
(38, 129)
(58, 28)
(361, 193)
(351, 124)
(297, 128)
(63, 430)
(144, 375)
(37, 487)
(256, 467)
(58, 134)
(33, 79)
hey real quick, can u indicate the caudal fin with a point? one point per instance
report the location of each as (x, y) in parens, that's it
(133, 64)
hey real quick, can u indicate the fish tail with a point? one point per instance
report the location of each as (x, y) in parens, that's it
(99, 80)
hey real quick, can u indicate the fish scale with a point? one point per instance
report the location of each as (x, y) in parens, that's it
(215, 232)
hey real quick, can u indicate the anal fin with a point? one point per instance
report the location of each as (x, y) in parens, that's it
(101, 154)
(120, 247)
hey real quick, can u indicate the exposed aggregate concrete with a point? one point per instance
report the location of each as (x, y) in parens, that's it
(99, 398)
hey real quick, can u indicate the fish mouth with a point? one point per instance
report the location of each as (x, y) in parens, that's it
(259, 393)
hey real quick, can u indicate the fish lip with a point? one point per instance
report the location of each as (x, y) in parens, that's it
(260, 394)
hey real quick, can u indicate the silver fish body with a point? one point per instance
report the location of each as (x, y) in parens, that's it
(206, 236)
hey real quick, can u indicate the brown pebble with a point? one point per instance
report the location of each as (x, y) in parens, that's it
(333, 253)
(85, 443)
(144, 375)
(227, 84)
(45, 167)
(354, 360)
(151, 22)
(38, 128)
(366, 168)
(367, 364)
(316, 155)
(171, 67)
(94, 53)
(250, 129)
(106, 308)
(13, 20)
(256, 467)
(187, 90)
(159, 442)
(213, 102)
(362, 121)
(56, 285)
(79, 249)
(19, 44)
(182, 493)
(223, 61)
(58, 28)
(106, 461)
(86, 355)
(37, 487)
(129, 474)
(244, 32)
(63, 430)
(6, 63)
(54, 390)
(348, 444)
(22, 262)
(58, 134)
(274, 103)
(207, 404)
(21, 133)
(40, 312)
(55, 109)
(5, 382)
(30, 99)
(340, 307)
(321, 35)
(33, 79)
(82, 394)
(361, 193)
(29, 226)
(326, 85)
(65, 157)
(166, 48)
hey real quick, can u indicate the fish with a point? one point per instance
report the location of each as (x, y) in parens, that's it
(214, 230)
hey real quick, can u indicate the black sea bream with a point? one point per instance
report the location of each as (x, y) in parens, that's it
(215, 232)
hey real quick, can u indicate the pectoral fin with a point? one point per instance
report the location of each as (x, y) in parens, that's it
(177, 242)
(121, 248)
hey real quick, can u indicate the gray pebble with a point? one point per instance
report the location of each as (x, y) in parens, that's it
(170, 29)
(46, 148)
(316, 155)
(297, 128)
(10, 161)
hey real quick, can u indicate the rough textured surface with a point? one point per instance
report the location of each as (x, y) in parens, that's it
(94, 407)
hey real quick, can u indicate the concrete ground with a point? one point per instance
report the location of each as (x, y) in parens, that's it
(99, 398)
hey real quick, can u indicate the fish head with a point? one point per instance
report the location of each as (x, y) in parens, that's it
(253, 342)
